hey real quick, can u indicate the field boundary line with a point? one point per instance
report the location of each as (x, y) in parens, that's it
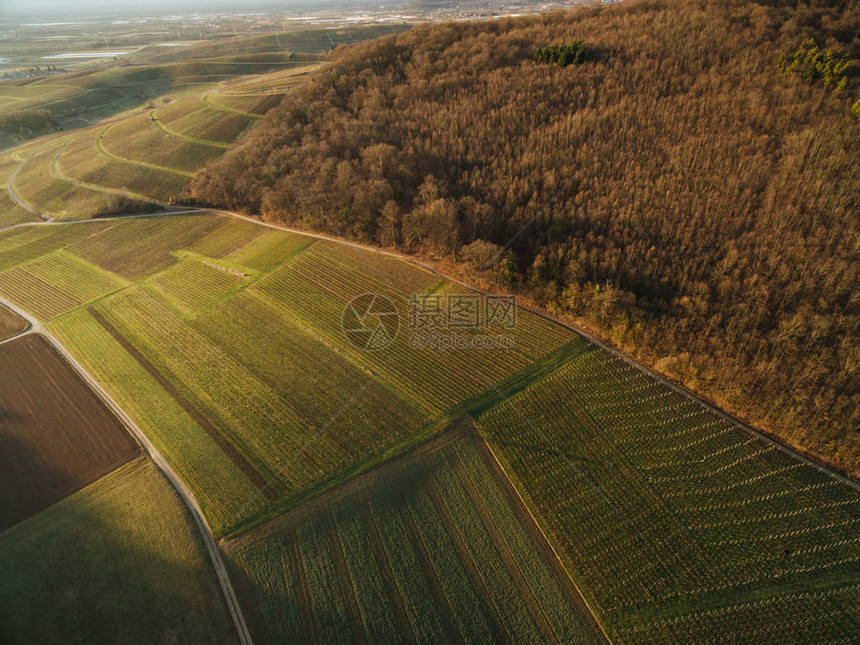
(224, 108)
(10, 187)
(725, 416)
(97, 188)
(513, 567)
(136, 162)
(151, 451)
(205, 142)
(518, 502)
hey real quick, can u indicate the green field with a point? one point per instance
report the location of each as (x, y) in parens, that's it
(119, 561)
(232, 342)
(679, 526)
(222, 339)
(427, 549)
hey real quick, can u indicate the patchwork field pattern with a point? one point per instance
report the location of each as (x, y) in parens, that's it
(426, 549)
(56, 435)
(233, 343)
(679, 526)
(122, 553)
(222, 339)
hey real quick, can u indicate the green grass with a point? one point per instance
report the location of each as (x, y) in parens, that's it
(415, 551)
(119, 561)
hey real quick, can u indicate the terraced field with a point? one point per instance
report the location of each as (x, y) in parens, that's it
(140, 161)
(121, 553)
(428, 549)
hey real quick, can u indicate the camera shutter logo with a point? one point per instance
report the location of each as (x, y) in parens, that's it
(370, 322)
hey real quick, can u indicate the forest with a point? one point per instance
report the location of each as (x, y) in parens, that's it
(689, 192)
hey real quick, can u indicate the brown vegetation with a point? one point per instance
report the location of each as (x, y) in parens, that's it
(56, 435)
(675, 191)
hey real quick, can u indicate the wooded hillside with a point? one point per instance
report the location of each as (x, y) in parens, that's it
(677, 190)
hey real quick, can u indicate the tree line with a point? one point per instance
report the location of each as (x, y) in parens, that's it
(675, 192)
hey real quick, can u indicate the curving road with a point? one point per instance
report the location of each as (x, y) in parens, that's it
(177, 482)
(10, 188)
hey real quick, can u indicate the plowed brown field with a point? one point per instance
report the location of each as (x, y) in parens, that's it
(56, 435)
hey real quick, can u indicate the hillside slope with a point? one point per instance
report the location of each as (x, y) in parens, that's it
(675, 192)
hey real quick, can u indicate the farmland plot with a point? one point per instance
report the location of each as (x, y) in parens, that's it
(679, 526)
(57, 435)
(39, 186)
(138, 139)
(55, 283)
(429, 549)
(83, 161)
(233, 344)
(119, 561)
(198, 122)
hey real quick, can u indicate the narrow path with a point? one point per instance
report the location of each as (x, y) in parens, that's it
(188, 496)
(100, 147)
(224, 108)
(787, 450)
(180, 486)
(10, 188)
(205, 142)
(55, 172)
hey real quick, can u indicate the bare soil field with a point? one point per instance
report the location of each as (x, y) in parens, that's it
(56, 435)
(11, 324)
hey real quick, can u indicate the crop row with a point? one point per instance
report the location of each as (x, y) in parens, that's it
(316, 294)
(247, 104)
(321, 384)
(221, 488)
(38, 186)
(83, 161)
(193, 285)
(203, 123)
(138, 139)
(136, 248)
(417, 555)
(628, 510)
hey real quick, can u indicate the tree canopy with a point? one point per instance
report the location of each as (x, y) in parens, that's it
(677, 194)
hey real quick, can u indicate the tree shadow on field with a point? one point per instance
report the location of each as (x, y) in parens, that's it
(21, 463)
(108, 565)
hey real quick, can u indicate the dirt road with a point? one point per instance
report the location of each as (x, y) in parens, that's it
(180, 486)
